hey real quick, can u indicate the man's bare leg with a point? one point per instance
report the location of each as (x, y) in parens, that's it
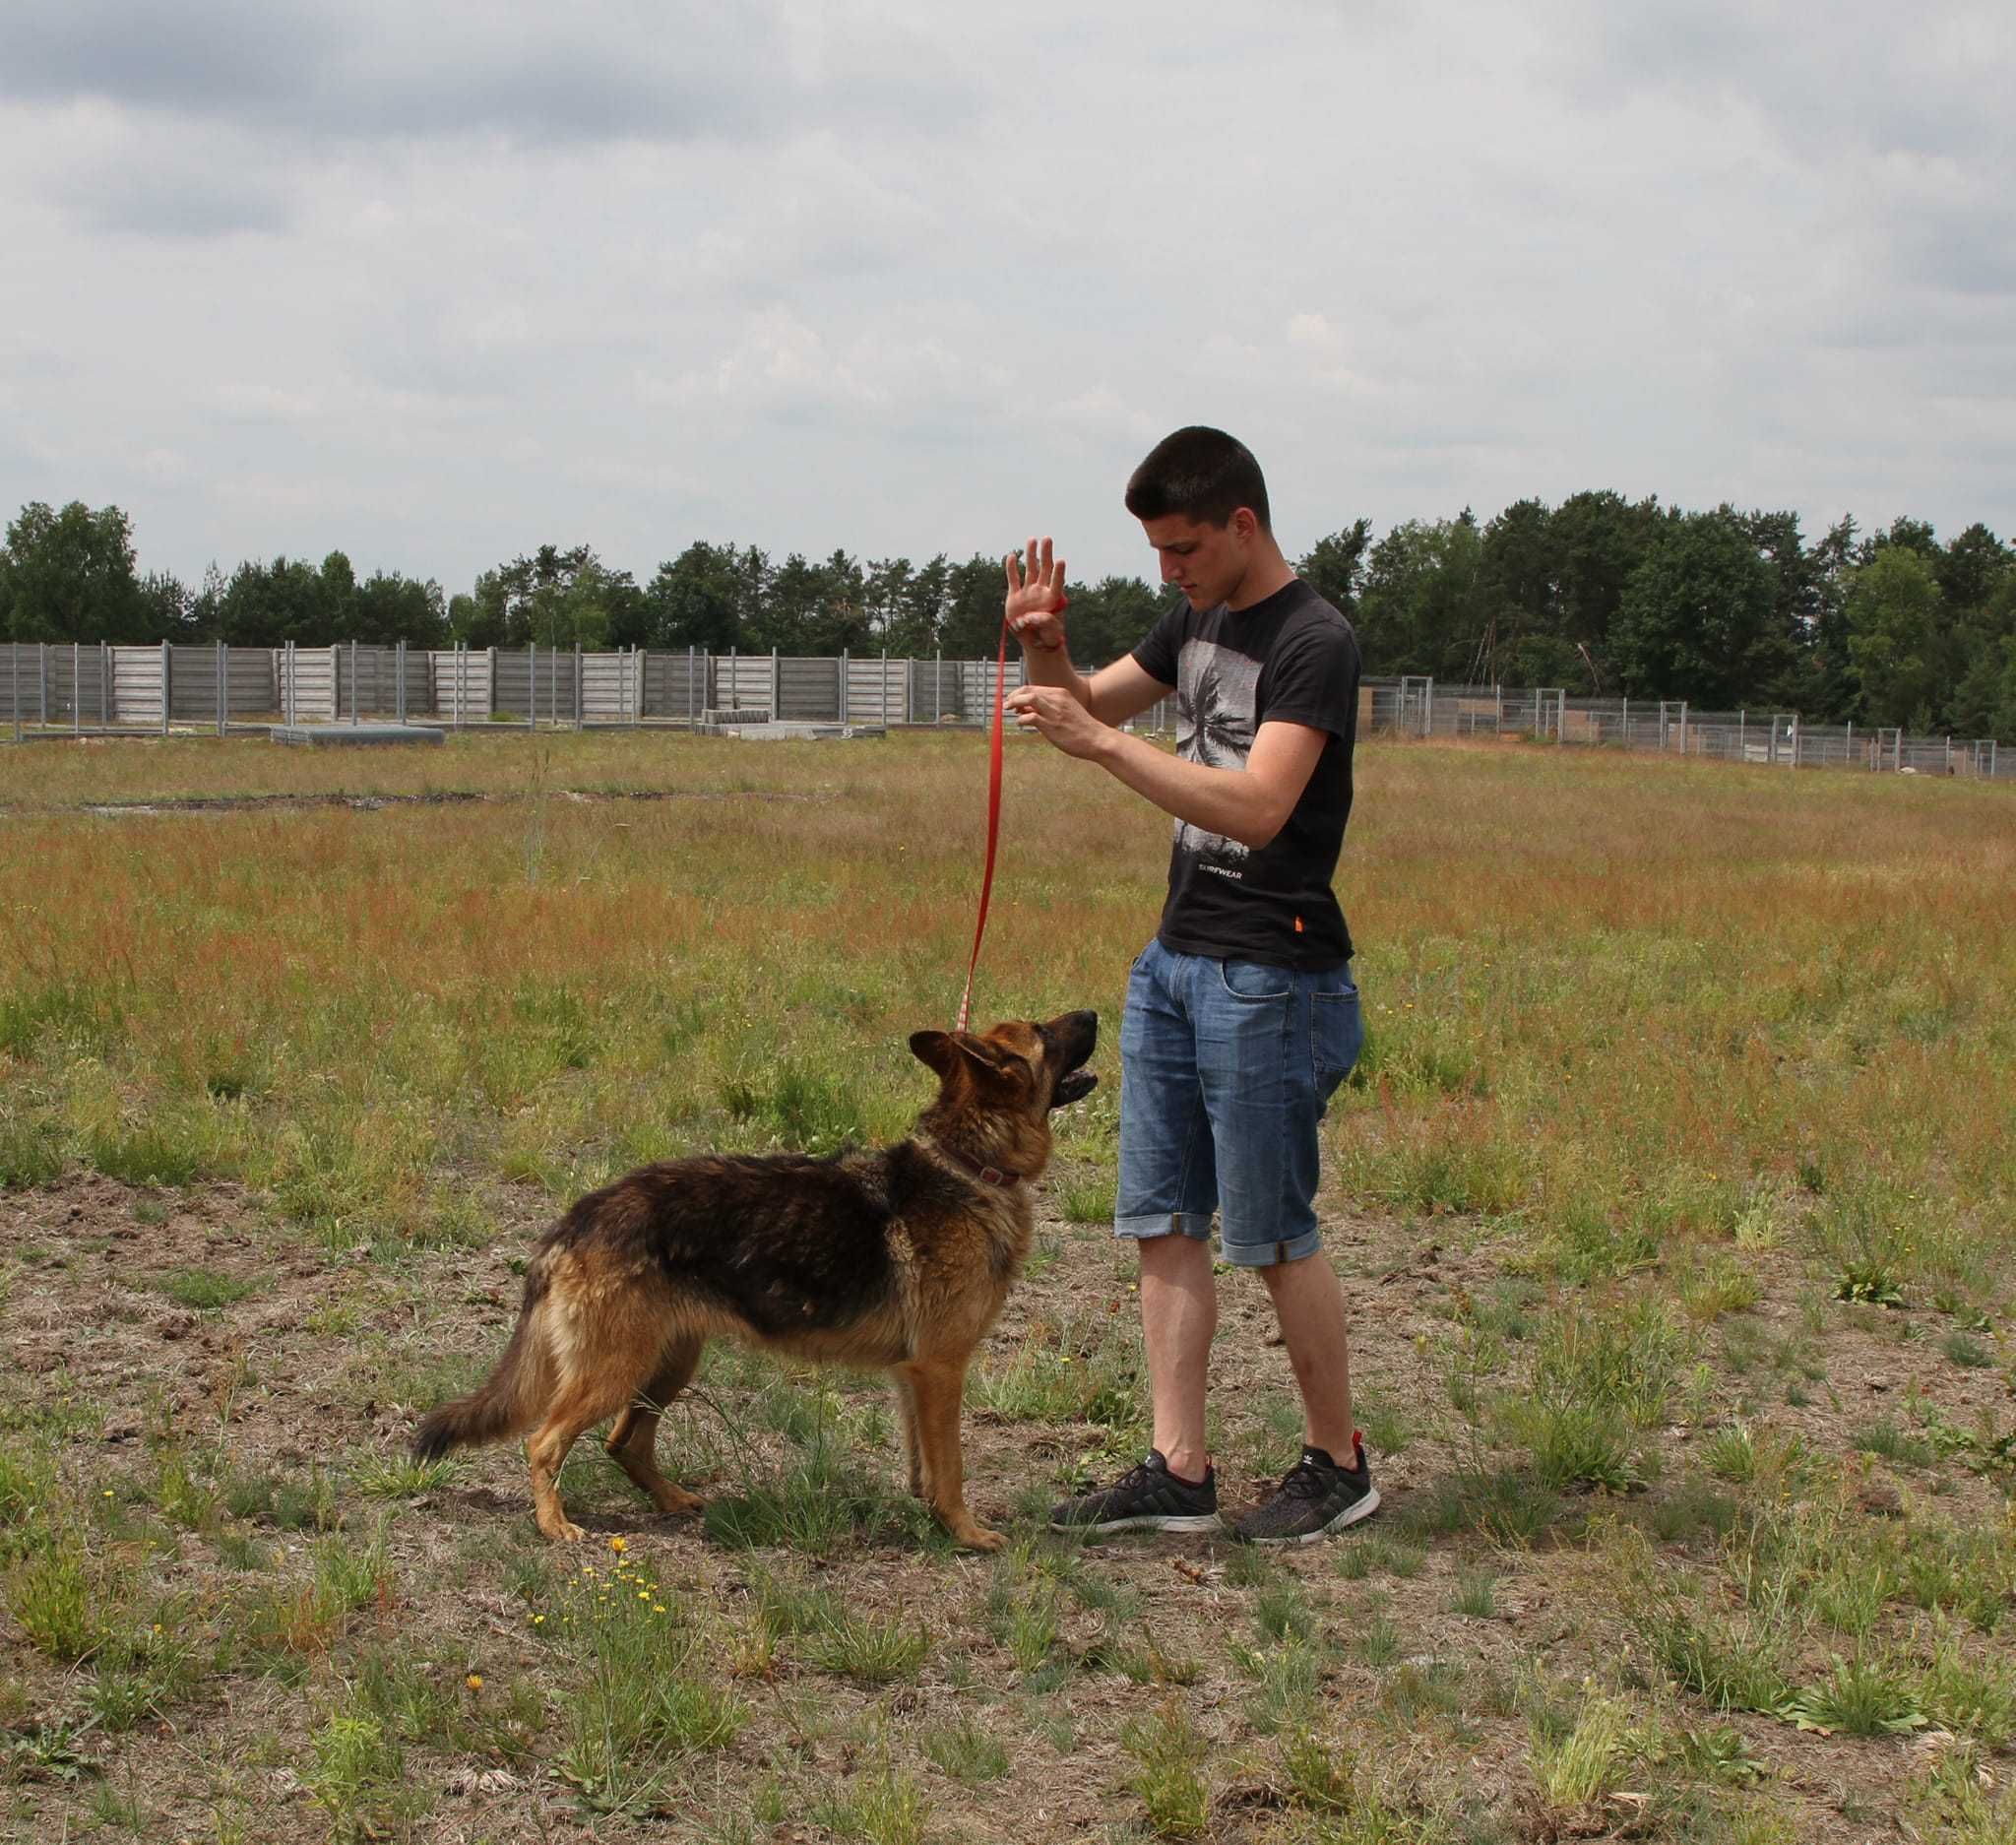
(1309, 1305)
(1179, 1315)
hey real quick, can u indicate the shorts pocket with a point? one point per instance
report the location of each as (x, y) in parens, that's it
(1255, 980)
(1338, 1031)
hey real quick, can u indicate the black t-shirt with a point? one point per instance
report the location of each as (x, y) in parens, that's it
(1291, 659)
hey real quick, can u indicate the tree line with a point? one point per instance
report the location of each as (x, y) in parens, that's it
(1599, 594)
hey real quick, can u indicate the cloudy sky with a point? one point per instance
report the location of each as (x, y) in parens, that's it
(438, 282)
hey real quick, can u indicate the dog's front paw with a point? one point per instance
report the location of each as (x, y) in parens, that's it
(563, 1531)
(972, 1537)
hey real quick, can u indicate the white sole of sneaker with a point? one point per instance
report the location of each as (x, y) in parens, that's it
(1158, 1521)
(1351, 1513)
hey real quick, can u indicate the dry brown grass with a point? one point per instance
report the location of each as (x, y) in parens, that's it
(1677, 1167)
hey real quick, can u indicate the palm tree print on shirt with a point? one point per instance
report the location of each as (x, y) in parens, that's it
(1215, 689)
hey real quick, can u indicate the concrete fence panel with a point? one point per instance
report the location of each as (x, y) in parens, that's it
(459, 682)
(808, 691)
(875, 688)
(55, 684)
(49, 689)
(612, 688)
(137, 686)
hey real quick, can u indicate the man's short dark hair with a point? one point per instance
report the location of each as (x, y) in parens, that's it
(1200, 475)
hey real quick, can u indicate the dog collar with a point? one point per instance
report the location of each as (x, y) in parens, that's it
(992, 1175)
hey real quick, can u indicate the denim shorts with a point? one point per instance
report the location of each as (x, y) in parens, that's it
(1226, 1069)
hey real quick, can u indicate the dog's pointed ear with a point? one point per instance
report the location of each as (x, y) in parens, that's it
(942, 1051)
(933, 1049)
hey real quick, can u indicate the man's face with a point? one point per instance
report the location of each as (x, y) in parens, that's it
(1206, 562)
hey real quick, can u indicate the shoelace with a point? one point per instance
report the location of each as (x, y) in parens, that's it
(1305, 1481)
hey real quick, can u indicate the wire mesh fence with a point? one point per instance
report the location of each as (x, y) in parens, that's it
(54, 690)
(1771, 738)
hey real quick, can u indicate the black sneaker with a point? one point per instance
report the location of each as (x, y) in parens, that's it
(1147, 1498)
(1318, 1497)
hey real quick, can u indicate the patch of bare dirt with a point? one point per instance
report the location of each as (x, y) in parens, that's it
(324, 1356)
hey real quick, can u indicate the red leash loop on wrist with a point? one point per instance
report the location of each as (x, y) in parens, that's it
(993, 814)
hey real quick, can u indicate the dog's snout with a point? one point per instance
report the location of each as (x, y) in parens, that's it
(1076, 1034)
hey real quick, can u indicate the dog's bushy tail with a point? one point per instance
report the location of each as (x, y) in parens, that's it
(505, 1403)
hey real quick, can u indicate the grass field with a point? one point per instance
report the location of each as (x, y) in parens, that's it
(1673, 1196)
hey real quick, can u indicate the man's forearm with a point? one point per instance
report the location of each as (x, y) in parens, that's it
(1052, 666)
(1219, 800)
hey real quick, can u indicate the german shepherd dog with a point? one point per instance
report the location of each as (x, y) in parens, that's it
(897, 1257)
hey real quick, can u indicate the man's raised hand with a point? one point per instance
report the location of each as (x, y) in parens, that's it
(1036, 597)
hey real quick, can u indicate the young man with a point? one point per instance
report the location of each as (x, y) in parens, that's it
(1241, 1018)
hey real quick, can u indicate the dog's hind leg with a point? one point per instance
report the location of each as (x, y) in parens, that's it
(580, 1402)
(632, 1442)
(938, 1389)
(907, 1414)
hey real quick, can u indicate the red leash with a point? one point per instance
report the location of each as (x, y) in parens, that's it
(993, 816)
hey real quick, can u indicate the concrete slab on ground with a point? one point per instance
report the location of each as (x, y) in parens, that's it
(342, 733)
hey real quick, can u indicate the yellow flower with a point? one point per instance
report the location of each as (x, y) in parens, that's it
(658, 1607)
(475, 1681)
(618, 1546)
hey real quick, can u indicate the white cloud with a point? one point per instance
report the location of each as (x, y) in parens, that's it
(438, 284)
(266, 403)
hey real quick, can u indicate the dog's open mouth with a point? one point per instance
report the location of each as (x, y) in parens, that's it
(1073, 1086)
(1076, 1034)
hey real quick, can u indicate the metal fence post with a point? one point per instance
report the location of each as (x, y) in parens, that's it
(76, 689)
(14, 683)
(168, 677)
(42, 678)
(1795, 739)
(224, 702)
(776, 689)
